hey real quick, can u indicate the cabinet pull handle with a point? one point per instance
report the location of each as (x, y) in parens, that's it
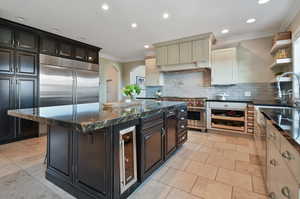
(147, 137)
(18, 43)
(287, 155)
(272, 195)
(273, 162)
(286, 192)
(163, 131)
(182, 118)
(182, 110)
(182, 126)
(13, 43)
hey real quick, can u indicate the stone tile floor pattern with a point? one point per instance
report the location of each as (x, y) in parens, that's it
(208, 166)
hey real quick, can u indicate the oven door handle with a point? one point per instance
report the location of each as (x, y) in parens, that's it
(122, 163)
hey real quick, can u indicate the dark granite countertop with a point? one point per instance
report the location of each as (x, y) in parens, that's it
(90, 117)
(254, 102)
(287, 120)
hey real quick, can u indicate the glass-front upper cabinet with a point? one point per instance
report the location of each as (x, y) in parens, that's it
(80, 53)
(65, 50)
(92, 56)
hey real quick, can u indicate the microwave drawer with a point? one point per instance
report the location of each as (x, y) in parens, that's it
(227, 105)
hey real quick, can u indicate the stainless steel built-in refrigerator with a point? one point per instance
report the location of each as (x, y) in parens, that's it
(64, 81)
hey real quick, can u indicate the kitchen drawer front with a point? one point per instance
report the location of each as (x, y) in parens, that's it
(291, 157)
(273, 135)
(182, 111)
(182, 126)
(224, 105)
(153, 120)
(170, 111)
(182, 118)
(182, 138)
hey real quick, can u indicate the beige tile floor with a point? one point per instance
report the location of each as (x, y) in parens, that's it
(208, 166)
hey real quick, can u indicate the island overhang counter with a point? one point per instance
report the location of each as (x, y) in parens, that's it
(96, 153)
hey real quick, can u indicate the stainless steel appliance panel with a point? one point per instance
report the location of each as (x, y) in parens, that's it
(87, 86)
(56, 85)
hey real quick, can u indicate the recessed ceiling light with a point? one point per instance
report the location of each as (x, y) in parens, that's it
(251, 20)
(20, 18)
(225, 31)
(146, 46)
(166, 15)
(105, 6)
(263, 1)
(133, 25)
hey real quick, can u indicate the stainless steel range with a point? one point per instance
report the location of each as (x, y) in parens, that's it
(196, 111)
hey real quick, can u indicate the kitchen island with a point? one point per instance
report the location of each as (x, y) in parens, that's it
(96, 153)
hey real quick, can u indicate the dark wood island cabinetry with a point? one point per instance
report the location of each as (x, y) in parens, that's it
(107, 154)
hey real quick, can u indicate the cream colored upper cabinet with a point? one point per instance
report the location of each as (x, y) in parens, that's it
(173, 54)
(201, 51)
(224, 67)
(153, 75)
(185, 52)
(162, 55)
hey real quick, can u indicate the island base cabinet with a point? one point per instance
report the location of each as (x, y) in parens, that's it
(80, 163)
(152, 150)
(92, 163)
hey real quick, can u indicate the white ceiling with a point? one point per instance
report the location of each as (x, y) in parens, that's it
(111, 30)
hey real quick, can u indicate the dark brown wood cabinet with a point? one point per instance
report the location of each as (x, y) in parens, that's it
(92, 56)
(65, 50)
(92, 174)
(170, 134)
(6, 61)
(6, 36)
(48, 46)
(26, 97)
(80, 53)
(26, 63)
(7, 131)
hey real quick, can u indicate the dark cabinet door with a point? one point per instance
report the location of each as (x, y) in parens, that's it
(6, 61)
(92, 56)
(26, 41)
(92, 163)
(80, 53)
(6, 123)
(6, 36)
(152, 149)
(48, 46)
(65, 50)
(26, 97)
(171, 135)
(26, 63)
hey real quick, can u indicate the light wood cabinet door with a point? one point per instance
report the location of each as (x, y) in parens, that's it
(185, 52)
(161, 56)
(224, 67)
(153, 75)
(173, 54)
(200, 51)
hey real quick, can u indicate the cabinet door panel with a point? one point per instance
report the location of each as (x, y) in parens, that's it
(92, 174)
(26, 41)
(173, 54)
(6, 122)
(48, 46)
(162, 56)
(6, 36)
(65, 50)
(6, 61)
(80, 53)
(153, 143)
(26, 98)
(224, 67)
(26, 63)
(185, 52)
(171, 126)
(201, 51)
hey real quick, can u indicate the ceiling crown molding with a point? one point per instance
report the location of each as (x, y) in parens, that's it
(110, 57)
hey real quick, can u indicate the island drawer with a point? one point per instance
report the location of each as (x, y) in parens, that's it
(182, 138)
(182, 126)
(182, 111)
(152, 120)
